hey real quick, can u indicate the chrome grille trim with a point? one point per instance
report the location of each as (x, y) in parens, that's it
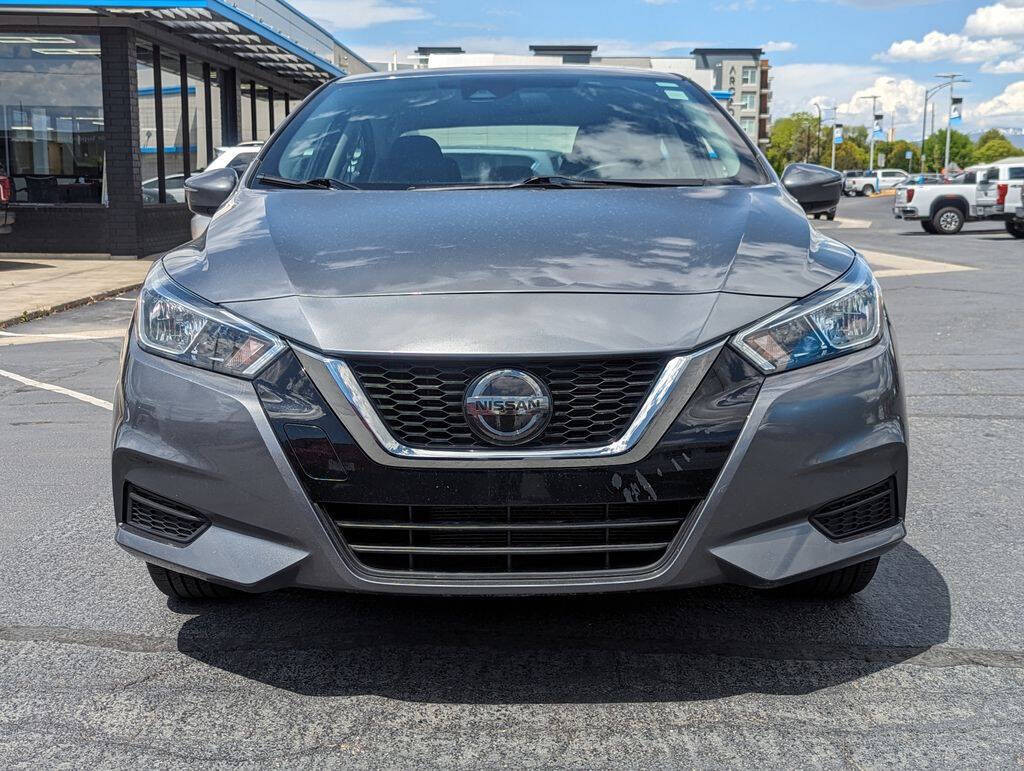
(670, 392)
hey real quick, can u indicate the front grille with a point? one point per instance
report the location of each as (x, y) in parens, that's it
(421, 402)
(872, 509)
(162, 517)
(509, 539)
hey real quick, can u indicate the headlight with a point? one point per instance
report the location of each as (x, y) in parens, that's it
(179, 325)
(845, 316)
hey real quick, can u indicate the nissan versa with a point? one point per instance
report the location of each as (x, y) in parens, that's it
(510, 331)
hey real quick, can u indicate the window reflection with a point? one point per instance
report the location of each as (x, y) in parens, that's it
(51, 117)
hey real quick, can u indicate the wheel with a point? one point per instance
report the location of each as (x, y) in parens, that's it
(179, 586)
(868, 190)
(1015, 228)
(927, 226)
(817, 216)
(948, 221)
(837, 584)
(831, 215)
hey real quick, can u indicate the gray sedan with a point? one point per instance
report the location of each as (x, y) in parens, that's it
(510, 331)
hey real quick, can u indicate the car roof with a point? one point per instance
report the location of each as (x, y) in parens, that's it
(551, 71)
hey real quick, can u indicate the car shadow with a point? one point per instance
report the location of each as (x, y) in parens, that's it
(20, 265)
(660, 646)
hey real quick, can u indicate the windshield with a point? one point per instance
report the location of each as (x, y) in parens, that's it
(506, 127)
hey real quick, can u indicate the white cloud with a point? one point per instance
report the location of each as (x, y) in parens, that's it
(936, 46)
(1005, 67)
(797, 86)
(1005, 19)
(777, 45)
(899, 98)
(358, 14)
(1009, 104)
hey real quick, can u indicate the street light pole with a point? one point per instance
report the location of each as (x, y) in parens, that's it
(871, 159)
(817, 136)
(949, 124)
(950, 78)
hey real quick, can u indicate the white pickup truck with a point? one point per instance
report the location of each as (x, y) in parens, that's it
(868, 182)
(940, 207)
(999, 194)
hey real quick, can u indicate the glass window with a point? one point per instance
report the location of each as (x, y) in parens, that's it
(262, 129)
(1016, 172)
(51, 117)
(747, 124)
(506, 127)
(749, 76)
(748, 100)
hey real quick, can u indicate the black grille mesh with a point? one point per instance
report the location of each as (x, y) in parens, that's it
(509, 539)
(421, 402)
(871, 509)
(160, 516)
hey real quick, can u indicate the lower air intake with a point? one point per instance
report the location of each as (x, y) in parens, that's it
(509, 539)
(162, 517)
(872, 509)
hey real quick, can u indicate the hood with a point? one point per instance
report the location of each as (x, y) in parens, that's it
(280, 243)
(502, 272)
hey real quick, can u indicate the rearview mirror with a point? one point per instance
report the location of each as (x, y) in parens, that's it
(816, 188)
(204, 193)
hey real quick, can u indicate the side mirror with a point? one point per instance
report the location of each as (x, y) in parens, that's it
(816, 188)
(204, 193)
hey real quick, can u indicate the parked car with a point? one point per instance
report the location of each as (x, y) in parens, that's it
(999, 193)
(6, 215)
(236, 158)
(174, 189)
(379, 373)
(869, 182)
(941, 208)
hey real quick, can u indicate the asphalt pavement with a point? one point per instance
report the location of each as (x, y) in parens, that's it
(925, 668)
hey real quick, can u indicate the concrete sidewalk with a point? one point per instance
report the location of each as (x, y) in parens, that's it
(32, 287)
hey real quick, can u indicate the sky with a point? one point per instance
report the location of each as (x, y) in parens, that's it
(829, 52)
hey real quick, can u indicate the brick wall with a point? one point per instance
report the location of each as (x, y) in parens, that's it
(121, 128)
(57, 229)
(164, 227)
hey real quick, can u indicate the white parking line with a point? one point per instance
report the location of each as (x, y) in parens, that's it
(57, 389)
(890, 265)
(26, 338)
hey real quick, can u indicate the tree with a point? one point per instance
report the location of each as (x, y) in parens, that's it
(994, 150)
(988, 136)
(895, 154)
(961, 150)
(796, 138)
(793, 139)
(849, 155)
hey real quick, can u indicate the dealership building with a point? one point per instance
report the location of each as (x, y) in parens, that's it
(106, 107)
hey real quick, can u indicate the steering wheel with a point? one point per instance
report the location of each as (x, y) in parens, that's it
(592, 170)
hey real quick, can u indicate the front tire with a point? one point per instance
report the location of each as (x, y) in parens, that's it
(867, 190)
(1015, 228)
(837, 584)
(179, 586)
(948, 221)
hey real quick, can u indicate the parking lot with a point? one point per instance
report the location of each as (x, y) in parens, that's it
(924, 668)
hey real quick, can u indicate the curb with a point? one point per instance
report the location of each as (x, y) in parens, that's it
(64, 306)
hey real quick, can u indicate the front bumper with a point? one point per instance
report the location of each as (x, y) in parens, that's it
(811, 436)
(906, 212)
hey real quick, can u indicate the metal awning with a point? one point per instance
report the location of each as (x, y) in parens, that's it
(209, 22)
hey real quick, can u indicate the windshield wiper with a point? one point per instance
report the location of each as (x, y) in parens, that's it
(558, 181)
(317, 183)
